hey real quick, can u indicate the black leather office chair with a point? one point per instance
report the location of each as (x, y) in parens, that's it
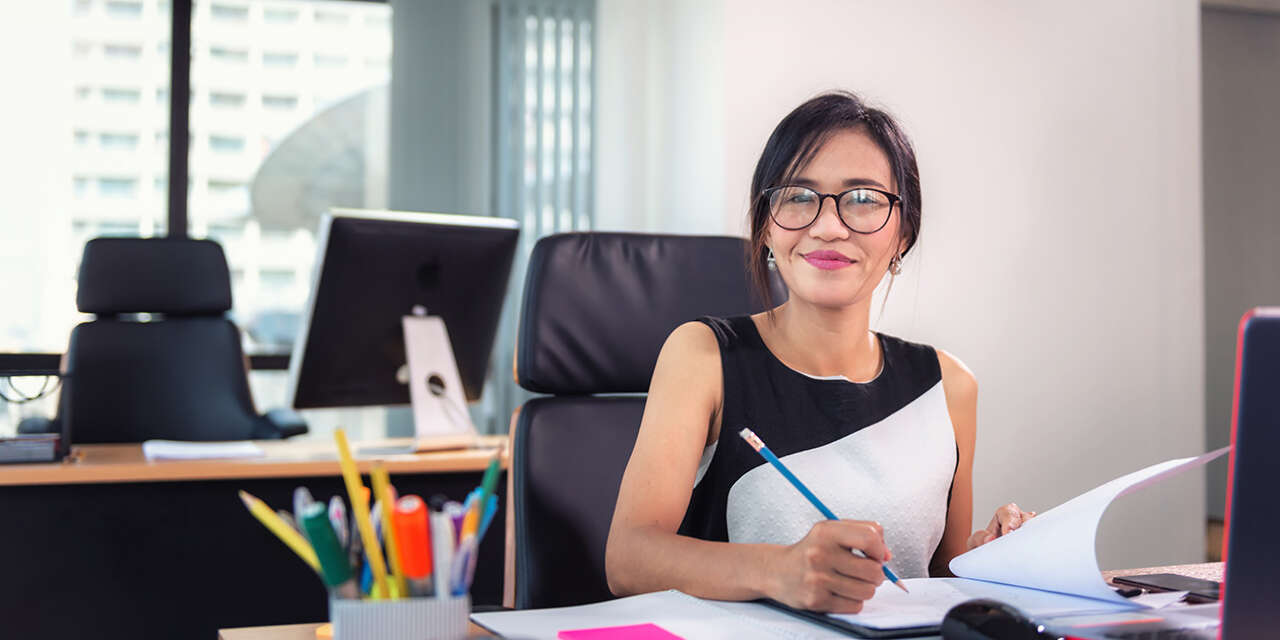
(597, 309)
(180, 374)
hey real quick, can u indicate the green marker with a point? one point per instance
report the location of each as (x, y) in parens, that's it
(489, 482)
(334, 568)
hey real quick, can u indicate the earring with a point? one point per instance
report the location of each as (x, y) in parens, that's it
(895, 265)
(771, 262)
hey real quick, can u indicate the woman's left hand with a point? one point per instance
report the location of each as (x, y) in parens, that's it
(1007, 518)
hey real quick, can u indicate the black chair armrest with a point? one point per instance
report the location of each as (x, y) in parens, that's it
(489, 608)
(39, 425)
(285, 423)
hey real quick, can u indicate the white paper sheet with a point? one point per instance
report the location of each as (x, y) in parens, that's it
(175, 450)
(1055, 551)
(930, 598)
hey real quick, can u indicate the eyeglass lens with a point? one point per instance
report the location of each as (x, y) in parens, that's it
(863, 210)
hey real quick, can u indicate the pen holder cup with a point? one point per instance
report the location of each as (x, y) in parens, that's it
(406, 619)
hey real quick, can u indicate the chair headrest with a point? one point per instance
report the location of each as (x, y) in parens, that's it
(153, 275)
(598, 306)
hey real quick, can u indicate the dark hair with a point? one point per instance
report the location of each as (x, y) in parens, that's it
(798, 138)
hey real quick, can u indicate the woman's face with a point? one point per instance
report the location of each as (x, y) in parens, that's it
(825, 263)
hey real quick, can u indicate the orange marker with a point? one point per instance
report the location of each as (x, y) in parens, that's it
(414, 535)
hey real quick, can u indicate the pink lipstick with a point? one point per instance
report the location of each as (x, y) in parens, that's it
(827, 260)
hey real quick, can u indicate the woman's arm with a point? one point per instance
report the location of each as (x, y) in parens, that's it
(961, 389)
(644, 551)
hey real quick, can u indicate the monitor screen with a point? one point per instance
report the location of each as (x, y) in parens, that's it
(374, 268)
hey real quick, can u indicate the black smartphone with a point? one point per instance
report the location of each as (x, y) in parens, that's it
(1206, 589)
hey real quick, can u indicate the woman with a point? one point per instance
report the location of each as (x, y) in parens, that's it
(881, 429)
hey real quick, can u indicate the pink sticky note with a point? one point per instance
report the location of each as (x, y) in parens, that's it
(628, 632)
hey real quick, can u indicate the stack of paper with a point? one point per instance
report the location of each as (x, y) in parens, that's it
(175, 450)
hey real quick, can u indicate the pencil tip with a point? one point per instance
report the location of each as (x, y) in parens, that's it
(902, 586)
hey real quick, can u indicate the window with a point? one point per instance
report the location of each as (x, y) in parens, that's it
(119, 228)
(226, 144)
(272, 15)
(325, 61)
(229, 13)
(279, 102)
(328, 17)
(122, 51)
(544, 95)
(272, 262)
(224, 187)
(226, 99)
(94, 120)
(278, 279)
(118, 141)
(118, 95)
(279, 59)
(229, 54)
(113, 187)
(124, 8)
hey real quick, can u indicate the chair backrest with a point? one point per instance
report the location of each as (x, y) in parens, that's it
(177, 374)
(597, 309)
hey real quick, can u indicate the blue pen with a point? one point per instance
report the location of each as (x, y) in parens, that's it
(490, 510)
(366, 574)
(758, 444)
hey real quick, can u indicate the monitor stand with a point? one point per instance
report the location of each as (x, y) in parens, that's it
(440, 415)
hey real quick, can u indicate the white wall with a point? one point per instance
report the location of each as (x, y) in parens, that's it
(1061, 255)
(1242, 199)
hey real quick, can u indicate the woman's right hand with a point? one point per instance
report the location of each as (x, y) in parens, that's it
(821, 572)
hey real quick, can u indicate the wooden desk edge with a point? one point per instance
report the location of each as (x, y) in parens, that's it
(308, 632)
(104, 464)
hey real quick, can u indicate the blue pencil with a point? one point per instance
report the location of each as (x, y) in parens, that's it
(758, 444)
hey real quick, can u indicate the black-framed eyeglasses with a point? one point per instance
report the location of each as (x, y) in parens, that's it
(862, 209)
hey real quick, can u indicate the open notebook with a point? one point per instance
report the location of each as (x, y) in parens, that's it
(1048, 567)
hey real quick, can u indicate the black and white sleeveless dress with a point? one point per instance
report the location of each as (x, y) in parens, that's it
(883, 450)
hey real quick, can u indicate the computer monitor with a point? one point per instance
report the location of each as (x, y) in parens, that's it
(376, 267)
(1251, 584)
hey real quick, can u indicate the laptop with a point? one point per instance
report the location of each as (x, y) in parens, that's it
(1251, 548)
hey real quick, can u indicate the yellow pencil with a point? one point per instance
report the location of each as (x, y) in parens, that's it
(286, 533)
(382, 489)
(360, 506)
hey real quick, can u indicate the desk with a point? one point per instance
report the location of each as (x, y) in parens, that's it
(1208, 571)
(138, 549)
